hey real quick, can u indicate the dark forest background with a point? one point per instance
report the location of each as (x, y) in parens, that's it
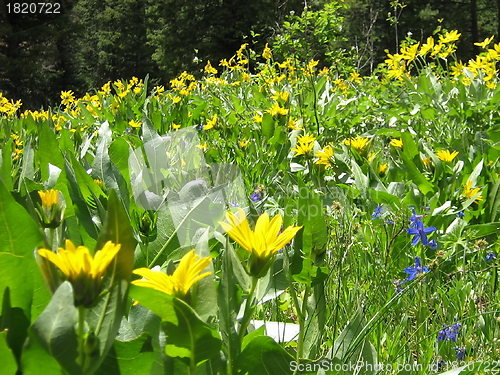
(93, 41)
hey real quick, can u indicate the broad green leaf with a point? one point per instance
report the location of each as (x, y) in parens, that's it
(265, 357)
(19, 236)
(55, 328)
(6, 167)
(186, 333)
(267, 126)
(129, 357)
(9, 365)
(48, 151)
(415, 175)
(105, 318)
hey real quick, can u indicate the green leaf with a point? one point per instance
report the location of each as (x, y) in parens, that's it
(48, 151)
(105, 318)
(19, 236)
(55, 328)
(267, 126)
(415, 175)
(129, 357)
(6, 168)
(265, 357)
(35, 357)
(9, 365)
(185, 332)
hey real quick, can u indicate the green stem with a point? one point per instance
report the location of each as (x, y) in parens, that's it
(248, 310)
(81, 339)
(302, 321)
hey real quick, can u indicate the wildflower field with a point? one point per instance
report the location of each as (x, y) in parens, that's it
(288, 220)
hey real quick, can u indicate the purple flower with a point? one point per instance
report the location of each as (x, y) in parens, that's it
(256, 197)
(420, 233)
(415, 218)
(414, 271)
(490, 256)
(377, 212)
(449, 333)
(461, 352)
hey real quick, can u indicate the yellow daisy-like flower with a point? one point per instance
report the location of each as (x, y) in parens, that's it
(383, 168)
(257, 118)
(175, 126)
(303, 148)
(427, 161)
(243, 143)
(484, 44)
(397, 142)
(178, 284)
(267, 53)
(203, 147)
(135, 124)
(82, 270)
(446, 156)
(325, 156)
(358, 143)
(49, 198)
(210, 123)
(67, 97)
(277, 110)
(263, 242)
(470, 192)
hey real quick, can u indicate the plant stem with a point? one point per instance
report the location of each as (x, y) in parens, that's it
(248, 310)
(302, 321)
(81, 340)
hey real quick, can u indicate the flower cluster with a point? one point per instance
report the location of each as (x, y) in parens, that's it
(304, 145)
(419, 232)
(449, 333)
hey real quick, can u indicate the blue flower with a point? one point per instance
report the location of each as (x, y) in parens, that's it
(414, 271)
(389, 221)
(461, 352)
(433, 244)
(200, 127)
(415, 218)
(449, 333)
(256, 197)
(490, 256)
(128, 130)
(234, 204)
(377, 212)
(461, 214)
(420, 233)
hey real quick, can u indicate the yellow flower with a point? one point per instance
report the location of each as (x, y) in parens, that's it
(325, 156)
(293, 125)
(210, 123)
(397, 142)
(451, 36)
(262, 243)
(99, 183)
(446, 156)
(243, 143)
(67, 97)
(358, 143)
(135, 124)
(202, 147)
(49, 198)
(491, 85)
(83, 271)
(303, 148)
(484, 43)
(371, 156)
(267, 53)
(409, 53)
(457, 69)
(355, 77)
(277, 110)
(383, 168)
(469, 192)
(427, 46)
(183, 278)
(210, 69)
(427, 161)
(175, 126)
